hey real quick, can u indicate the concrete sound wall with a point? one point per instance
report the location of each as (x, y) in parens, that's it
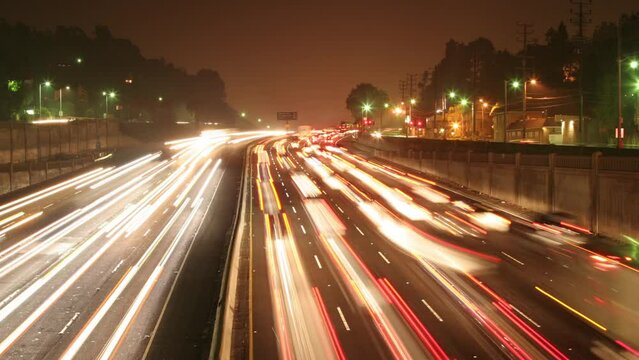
(602, 191)
(31, 153)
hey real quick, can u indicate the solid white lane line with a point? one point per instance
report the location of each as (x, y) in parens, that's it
(146, 232)
(341, 315)
(340, 209)
(383, 257)
(360, 231)
(294, 211)
(513, 259)
(319, 265)
(432, 310)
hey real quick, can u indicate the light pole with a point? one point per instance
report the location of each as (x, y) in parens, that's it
(410, 114)
(381, 116)
(484, 105)
(366, 108)
(60, 112)
(634, 65)
(46, 84)
(464, 102)
(107, 95)
(526, 82)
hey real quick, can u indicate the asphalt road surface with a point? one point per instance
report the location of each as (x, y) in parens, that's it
(123, 261)
(354, 258)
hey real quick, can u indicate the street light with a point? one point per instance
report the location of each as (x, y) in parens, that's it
(381, 117)
(259, 119)
(78, 60)
(452, 94)
(243, 114)
(160, 99)
(60, 112)
(634, 64)
(46, 84)
(526, 82)
(107, 95)
(366, 108)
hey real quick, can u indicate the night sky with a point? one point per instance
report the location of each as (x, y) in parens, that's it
(304, 55)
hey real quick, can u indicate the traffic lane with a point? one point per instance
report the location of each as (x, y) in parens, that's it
(534, 255)
(286, 195)
(132, 335)
(66, 192)
(455, 332)
(34, 256)
(18, 245)
(375, 251)
(168, 179)
(350, 320)
(187, 317)
(86, 293)
(566, 331)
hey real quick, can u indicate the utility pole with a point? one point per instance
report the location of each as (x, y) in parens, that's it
(524, 32)
(402, 89)
(474, 97)
(580, 16)
(619, 131)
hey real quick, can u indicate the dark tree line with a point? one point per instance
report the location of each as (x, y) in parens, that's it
(145, 89)
(558, 61)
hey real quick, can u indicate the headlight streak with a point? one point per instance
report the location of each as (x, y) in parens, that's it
(39, 195)
(300, 328)
(116, 338)
(122, 170)
(38, 284)
(99, 313)
(393, 235)
(9, 219)
(128, 220)
(19, 223)
(70, 223)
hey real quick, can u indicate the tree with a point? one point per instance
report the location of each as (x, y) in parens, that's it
(365, 94)
(91, 64)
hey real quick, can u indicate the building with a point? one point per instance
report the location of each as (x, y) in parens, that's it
(556, 129)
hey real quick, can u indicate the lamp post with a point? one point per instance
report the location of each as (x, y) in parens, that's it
(464, 102)
(410, 114)
(46, 84)
(525, 111)
(61, 112)
(107, 95)
(634, 65)
(366, 108)
(381, 117)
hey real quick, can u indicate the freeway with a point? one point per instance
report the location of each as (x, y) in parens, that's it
(121, 261)
(351, 257)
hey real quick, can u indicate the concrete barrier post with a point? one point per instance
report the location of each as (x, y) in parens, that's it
(29, 172)
(450, 160)
(594, 192)
(490, 173)
(518, 178)
(46, 170)
(551, 182)
(11, 176)
(468, 154)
